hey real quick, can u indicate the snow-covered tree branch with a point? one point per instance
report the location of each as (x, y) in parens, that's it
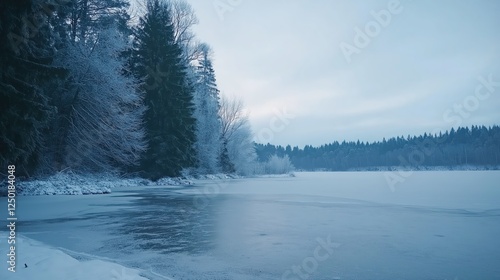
(237, 136)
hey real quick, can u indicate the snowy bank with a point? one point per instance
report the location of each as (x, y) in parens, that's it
(218, 176)
(44, 262)
(75, 184)
(67, 183)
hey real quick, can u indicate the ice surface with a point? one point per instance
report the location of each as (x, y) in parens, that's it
(433, 225)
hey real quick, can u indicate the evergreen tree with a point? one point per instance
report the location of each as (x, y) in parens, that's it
(208, 124)
(225, 163)
(478, 146)
(170, 126)
(26, 54)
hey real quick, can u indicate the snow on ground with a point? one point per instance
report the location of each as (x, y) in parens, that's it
(75, 184)
(218, 176)
(67, 183)
(45, 262)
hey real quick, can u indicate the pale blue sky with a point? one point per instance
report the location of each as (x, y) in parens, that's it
(286, 55)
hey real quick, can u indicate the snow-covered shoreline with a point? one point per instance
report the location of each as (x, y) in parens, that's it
(94, 184)
(97, 184)
(46, 262)
(75, 184)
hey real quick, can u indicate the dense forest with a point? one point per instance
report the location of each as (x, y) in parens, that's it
(477, 146)
(100, 86)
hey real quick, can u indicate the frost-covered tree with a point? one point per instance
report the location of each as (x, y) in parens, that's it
(208, 124)
(241, 149)
(82, 20)
(75, 108)
(104, 109)
(98, 108)
(236, 137)
(278, 165)
(183, 19)
(200, 75)
(158, 62)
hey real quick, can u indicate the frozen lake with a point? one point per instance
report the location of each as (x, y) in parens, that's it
(434, 225)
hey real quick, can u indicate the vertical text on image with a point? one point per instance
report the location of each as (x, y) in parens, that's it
(11, 218)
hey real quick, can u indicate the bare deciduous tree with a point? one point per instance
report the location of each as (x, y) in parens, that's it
(237, 135)
(232, 116)
(183, 19)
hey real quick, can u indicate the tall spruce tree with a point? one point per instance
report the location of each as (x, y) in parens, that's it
(208, 123)
(170, 126)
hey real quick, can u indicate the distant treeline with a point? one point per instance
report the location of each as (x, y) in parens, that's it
(477, 145)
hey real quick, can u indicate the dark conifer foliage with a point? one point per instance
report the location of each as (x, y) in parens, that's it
(226, 165)
(26, 73)
(86, 89)
(477, 146)
(170, 125)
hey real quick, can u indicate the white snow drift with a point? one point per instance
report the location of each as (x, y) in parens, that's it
(44, 262)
